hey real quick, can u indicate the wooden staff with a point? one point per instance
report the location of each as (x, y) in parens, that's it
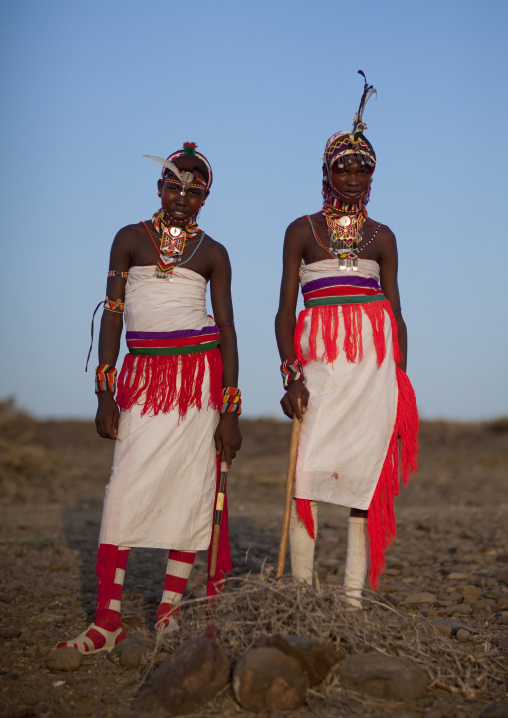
(290, 482)
(217, 519)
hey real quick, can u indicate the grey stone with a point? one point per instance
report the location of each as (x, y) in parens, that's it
(496, 710)
(10, 632)
(417, 598)
(384, 676)
(267, 679)
(444, 628)
(64, 659)
(442, 624)
(471, 593)
(455, 576)
(188, 679)
(462, 635)
(502, 642)
(461, 608)
(316, 659)
(129, 653)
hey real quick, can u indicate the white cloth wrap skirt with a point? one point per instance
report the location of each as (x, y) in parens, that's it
(162, 486)
(351, 413)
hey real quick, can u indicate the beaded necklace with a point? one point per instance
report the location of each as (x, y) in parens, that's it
(344, 226)
(172, 243)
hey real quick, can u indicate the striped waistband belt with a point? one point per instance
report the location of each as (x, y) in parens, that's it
(183, 341)
(341, 290)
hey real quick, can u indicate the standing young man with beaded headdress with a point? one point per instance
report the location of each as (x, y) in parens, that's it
(344, 362)
(177, 403)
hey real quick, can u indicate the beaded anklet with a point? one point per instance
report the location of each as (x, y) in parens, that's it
(105, 378)
(291, 370)
(231, 400)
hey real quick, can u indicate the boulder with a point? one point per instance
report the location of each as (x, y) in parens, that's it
(268, 679)
(383, 676)
(129, 653)
(186, 680)
(64, 659)
(316, 659)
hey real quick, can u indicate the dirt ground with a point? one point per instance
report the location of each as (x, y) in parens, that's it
(452, 542)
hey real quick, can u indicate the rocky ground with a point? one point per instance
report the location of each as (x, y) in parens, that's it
(449, 563)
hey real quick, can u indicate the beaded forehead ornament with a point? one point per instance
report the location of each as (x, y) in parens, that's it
(186, 179)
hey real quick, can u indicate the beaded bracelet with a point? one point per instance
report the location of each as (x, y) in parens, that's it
(105, 378)
(113, 306)
(231, 400)
(291, 370)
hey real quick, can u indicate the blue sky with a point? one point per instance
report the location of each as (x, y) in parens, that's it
(88, 88)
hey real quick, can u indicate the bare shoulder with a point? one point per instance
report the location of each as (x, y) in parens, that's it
(129, 235)
(298, 228)
(215, 249)
(217, 259)
(297, 235)
(383, 232)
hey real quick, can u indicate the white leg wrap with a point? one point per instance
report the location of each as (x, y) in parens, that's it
(301, 545)
(357, 560)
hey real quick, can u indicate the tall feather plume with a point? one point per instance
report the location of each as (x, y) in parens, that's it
(368, 91)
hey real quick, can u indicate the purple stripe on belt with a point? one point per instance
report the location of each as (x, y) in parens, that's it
(179, 334)
(337, 281)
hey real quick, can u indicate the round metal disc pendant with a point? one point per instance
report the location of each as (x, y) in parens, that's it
(176, 232)
(344, 221)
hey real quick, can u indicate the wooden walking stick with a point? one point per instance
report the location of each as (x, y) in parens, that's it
(217, 519)
(290, 482)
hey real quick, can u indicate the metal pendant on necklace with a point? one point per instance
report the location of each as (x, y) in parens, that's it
(346, 254)
(344, 243)
(343, 233)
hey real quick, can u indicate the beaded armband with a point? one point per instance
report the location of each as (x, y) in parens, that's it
(291, 370)
(105, 378)
(231, 400)
(117, 273)
(113, 306)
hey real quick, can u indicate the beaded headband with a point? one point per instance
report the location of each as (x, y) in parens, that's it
(186, 178)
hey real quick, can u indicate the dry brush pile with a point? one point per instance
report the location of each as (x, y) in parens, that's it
(256, 606)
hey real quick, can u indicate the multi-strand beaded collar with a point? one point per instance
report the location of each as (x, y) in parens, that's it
(172, 242)
(344, 226)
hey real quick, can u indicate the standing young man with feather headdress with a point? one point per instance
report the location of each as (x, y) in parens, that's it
(177, 395)
(344, 361)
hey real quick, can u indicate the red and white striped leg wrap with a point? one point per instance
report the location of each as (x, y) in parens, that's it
(106, 631)
(178, 571)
